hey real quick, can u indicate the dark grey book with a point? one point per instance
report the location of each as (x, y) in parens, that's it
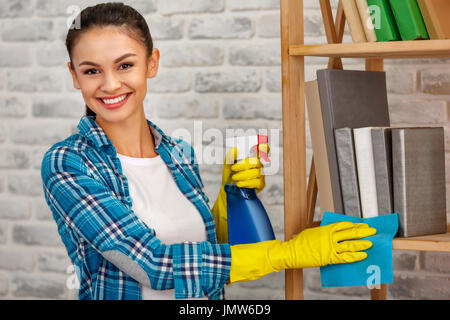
(418, 162)
(348, 175)
(382, 156)
(354, 99)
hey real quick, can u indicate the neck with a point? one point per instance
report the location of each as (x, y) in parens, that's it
(131, 137)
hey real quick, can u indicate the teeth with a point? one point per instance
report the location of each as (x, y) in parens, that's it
(113, 101)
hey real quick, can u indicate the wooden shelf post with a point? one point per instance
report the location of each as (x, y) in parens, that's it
(294, 135)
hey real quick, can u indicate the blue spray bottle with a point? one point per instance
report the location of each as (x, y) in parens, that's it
(248, 221)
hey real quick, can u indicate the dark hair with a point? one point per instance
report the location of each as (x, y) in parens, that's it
(109, 14)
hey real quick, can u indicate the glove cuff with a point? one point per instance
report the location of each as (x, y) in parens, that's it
(280, 255)
(251, 261)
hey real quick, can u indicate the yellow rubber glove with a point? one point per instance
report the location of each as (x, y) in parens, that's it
(313, 247)
(245, 174)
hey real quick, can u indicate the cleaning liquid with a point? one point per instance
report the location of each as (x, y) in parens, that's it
(248, 221)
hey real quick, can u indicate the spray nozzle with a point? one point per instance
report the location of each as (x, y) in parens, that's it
(249, 146)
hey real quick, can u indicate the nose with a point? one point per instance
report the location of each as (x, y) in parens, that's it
(111, 83)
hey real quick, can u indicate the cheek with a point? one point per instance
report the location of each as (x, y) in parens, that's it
(139, 85)
(89, 87)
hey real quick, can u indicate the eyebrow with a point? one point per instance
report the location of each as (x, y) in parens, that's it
(126, 55)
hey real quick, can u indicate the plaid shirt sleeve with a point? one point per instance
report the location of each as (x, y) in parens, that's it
(89, 208)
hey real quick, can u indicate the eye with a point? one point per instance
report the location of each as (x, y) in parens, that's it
(126, 64)
(88, 72)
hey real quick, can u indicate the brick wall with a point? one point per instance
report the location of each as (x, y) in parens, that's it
(220, 68)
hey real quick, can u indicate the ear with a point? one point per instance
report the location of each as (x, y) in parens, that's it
(153, 63)
(74, 77)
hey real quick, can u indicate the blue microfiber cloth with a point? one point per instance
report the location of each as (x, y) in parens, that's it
(377, 267)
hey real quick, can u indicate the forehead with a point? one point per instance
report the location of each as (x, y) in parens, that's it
(105, 44)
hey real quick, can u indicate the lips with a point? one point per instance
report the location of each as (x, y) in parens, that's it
(114, 105)
(113, 97)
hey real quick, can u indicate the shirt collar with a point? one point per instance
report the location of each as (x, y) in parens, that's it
(94, 133)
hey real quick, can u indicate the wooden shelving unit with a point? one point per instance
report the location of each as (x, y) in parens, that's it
(300, 194)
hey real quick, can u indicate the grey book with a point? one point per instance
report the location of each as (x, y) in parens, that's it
(319, 146)
(382, 156)
(418, 162)
(348, 175)
(354, 99)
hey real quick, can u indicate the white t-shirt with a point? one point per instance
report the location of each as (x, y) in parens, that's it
(160, 204)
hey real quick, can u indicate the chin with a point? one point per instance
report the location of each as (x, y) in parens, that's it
(115, 115)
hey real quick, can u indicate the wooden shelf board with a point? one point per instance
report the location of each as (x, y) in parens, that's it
(435, 242)
(385, 50)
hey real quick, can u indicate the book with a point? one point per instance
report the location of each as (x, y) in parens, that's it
(409, 19)
(354, 99)
(348, 175)
(354, 21)
(366, 171)
(418, 162)
(427, 19)
(383, 20)
(319, 147)
(435, 14)
(366, 20)
(382, 159)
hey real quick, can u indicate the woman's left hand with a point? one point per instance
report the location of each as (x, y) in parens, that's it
(245, 174)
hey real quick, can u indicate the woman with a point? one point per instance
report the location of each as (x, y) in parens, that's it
(128, 200)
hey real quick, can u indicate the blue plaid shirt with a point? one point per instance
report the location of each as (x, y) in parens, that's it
(112, 249)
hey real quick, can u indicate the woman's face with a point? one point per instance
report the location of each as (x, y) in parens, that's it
(110, 64)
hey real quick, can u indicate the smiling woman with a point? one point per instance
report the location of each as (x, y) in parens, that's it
(120, 181)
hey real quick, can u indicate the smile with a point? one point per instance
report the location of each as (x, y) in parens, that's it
(115, 102)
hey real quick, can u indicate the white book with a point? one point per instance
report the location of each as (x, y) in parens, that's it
(366, 171)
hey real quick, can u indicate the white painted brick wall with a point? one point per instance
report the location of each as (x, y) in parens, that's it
(220, 63)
